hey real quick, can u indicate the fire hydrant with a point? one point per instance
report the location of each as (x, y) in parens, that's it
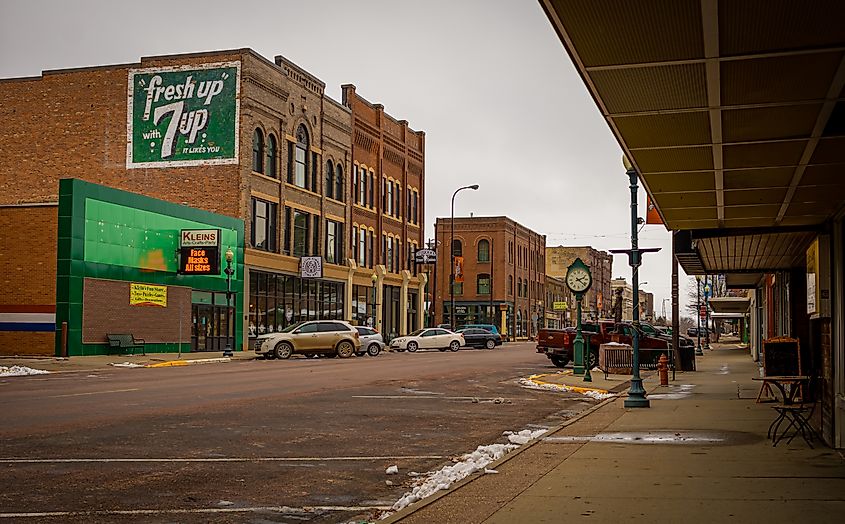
(663, 370)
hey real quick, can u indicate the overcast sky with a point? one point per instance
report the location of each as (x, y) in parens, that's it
(487, 80)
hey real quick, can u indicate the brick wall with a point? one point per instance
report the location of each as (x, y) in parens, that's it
(28, 237)
(107, 310)
(72, 124)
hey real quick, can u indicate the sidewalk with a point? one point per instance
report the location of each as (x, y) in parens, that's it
(713, 464)
(94, 362)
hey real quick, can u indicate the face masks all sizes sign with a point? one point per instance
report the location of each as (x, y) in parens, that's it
(183, 116)
(199, 251)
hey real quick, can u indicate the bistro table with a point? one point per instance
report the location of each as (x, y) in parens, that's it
(789, 387)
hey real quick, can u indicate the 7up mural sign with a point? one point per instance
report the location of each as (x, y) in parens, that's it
(183, 116)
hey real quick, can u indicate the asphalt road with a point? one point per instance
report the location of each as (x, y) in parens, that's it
(257, 441)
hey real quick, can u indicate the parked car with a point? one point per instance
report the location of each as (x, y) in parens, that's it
(429, 338)
(310, 338)
(694, 332)
(371, 341)
(480, 338)
(489, 327)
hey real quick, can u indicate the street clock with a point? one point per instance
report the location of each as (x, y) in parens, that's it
(578, 277)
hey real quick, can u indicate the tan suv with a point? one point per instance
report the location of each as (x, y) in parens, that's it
(311, 338)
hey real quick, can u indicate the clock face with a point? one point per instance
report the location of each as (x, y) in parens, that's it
(578, 279)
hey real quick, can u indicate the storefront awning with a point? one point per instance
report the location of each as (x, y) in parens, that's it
(729, 305)
(733, 113)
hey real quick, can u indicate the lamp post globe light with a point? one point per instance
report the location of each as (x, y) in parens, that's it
(452, 257)
(229, 272)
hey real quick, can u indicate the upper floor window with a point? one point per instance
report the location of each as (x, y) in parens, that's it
(334, 242)
(338, 183)
(258, 151)
(271, 155)
(300, 160)
(510, 285)
(362, 186)
(457, 248)
(389, 198)
(397, 195)
(362, 247)
(263, 234)
(329, 179)
(483, 284)
(484, 250)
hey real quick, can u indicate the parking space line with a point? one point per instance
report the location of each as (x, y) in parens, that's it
(215, 459)
(440, 397)
(286, 510)
(95, 393)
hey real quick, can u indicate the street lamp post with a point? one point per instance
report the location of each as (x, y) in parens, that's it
(229, 272)
(707, 288)
(698, 351)
(374, 278)
(636, 395)
(452, 257)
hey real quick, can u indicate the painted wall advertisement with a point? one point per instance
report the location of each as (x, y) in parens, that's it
(183, 116)
(147, 295)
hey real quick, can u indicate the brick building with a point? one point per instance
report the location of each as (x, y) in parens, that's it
(504, 281)
(388, 177)
(560, 303)
(597, 301)
(229, 134)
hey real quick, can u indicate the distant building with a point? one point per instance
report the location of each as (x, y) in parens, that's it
(502, 279)
(646, 306)
(559, 303)
(597, 302)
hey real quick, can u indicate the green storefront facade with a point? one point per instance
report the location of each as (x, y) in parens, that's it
(111, 244)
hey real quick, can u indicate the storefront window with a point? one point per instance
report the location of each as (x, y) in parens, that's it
(277, 301)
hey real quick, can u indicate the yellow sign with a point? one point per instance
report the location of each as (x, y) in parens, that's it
(147, 295)
(559, 306)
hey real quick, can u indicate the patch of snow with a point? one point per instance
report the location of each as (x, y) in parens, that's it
(126, 365)
(392, 470)
(20, 371)
(490, 471)
(470, 463)
(528, 383)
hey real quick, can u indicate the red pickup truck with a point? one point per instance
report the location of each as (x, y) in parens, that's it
(557, 344)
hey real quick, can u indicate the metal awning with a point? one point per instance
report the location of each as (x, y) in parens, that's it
(732, 112)
(729, 305)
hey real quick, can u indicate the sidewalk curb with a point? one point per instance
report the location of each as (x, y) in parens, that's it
(564, 387)
(413, 508)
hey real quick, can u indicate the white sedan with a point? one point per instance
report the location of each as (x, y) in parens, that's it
(429, 338)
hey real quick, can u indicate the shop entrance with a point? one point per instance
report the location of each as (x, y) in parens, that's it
(210, 321)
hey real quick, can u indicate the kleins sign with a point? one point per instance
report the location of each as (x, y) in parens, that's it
(183, 116)
(199, 251)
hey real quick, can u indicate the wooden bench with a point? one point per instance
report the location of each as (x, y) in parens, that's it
(125, 341)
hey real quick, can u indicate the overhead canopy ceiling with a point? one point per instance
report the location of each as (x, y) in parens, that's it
(733, 112)
(729, 305)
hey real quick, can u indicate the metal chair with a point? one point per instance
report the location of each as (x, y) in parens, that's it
(798, 414)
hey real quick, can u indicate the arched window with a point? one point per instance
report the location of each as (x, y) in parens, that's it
(258, 151)
(300, 161)
(483, 284)
(329, 179)
(271, 156)
(338, 179)
(457, 248)
(510, 285)
(484, 250)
